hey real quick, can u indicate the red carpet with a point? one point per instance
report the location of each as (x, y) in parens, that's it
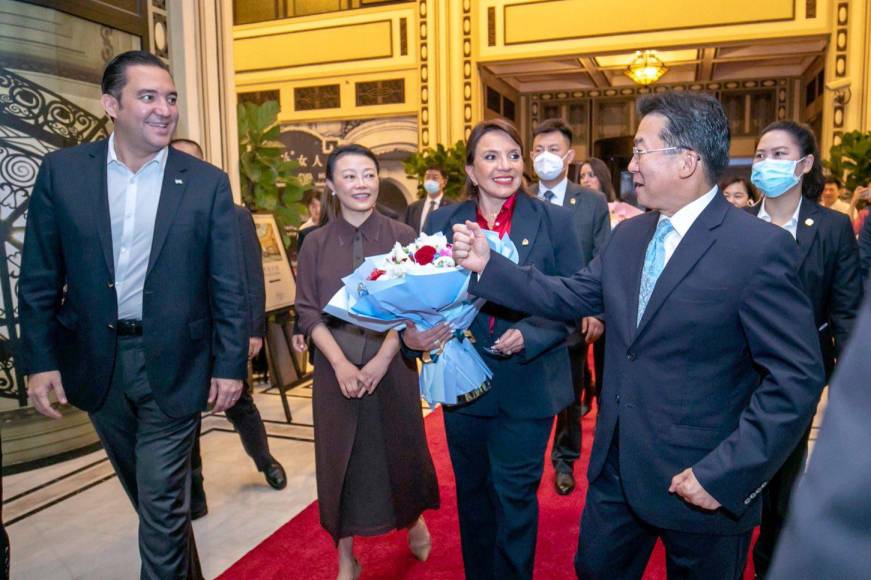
(301, 549)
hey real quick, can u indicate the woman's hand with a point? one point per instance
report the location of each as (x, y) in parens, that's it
(372, 373)
(510, 343)
(348, 377)
(297, 341)
(426, 340)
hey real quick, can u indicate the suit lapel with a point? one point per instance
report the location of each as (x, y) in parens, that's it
(807, 228)
(692, 247)
(524, 226)
(101, 203)
(171, 193)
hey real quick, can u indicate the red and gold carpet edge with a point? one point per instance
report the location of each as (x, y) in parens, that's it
(301, 549)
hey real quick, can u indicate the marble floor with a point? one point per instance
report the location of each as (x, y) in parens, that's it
(73, 521)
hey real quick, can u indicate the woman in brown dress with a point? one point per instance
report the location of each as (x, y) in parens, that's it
(374, 470)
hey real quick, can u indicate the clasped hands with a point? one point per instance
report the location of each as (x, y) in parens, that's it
(436, 337)
(688, 488)
(354, 382)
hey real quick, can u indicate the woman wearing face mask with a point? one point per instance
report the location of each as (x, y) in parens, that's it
(497, 442)
(787, 172)
(374, 471)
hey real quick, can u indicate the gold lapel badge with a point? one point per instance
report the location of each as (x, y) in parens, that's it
(179, 182)
(573, 201)
(809, 222)
(525, 242)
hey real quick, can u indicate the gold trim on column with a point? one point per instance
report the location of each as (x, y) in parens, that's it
(423, 51)
(467, 68)
(840, 45)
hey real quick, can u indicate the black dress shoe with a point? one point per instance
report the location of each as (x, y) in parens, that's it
(275, 476)
(565, 483)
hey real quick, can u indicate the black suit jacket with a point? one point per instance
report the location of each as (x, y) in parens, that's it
(829, 272)
(826, 533)
(865, 250)
(536, 382)
(194, 320)
(590, 214)
(722, 374)
(415, 210)
(252, 260)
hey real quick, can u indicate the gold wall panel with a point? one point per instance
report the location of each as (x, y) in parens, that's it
(570, 19)
(335, 44)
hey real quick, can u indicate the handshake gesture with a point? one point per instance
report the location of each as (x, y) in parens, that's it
(470, 248)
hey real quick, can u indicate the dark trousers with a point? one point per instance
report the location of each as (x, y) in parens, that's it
(615, 544)
(150, 452)
(775, 505)
(247, 421)
(567, 435)
(498, 463)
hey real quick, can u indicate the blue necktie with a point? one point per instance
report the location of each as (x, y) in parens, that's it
(654, 263)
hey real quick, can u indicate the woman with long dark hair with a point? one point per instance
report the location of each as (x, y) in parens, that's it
(596, 176)
(497, 442)
(788, 174)
(739, 192)
(374, 471)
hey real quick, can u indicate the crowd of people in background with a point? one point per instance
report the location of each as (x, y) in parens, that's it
(714, 311)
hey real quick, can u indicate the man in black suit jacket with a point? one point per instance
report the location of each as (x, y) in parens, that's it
(826, 533)
(434, 182)
(712, 365)
(244, 415)
(552, 154)
(131, 300)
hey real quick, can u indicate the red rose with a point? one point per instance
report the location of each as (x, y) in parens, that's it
(425, 255)
(376, 273)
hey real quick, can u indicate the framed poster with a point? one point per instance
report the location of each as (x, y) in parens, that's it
(280, 285)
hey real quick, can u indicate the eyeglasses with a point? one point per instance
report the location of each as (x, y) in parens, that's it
(637, 152)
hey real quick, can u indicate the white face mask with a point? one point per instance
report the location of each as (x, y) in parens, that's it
(432, 186)
(548, 165)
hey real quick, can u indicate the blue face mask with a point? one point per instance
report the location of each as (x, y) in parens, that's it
(774, 177)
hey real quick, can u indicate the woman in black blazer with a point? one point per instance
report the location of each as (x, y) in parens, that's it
(497, 442)
(829, 271)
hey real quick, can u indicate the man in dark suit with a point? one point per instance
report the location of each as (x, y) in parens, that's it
(865, 249)
(434, 182)
(712, 365)
(244, 415)
(131, 300)
(826, 533)
(552, 154)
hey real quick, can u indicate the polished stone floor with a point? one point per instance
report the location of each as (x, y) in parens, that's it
(73, 521)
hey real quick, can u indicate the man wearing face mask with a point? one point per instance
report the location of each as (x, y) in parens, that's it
(552, 154)
(434, 183)
(788, 172)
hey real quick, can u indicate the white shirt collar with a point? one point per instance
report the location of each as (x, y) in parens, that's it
(559, 191)
(791, 226)
(112, 157)
(684, 218)
(430, 199)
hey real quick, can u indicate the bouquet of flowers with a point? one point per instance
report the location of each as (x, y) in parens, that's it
(421, 282)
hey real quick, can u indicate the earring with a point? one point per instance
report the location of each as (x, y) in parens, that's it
(333, 193)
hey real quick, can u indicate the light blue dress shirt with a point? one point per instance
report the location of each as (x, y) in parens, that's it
(133, 200)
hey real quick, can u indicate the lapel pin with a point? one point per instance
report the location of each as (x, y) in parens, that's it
(809, 222)
(525, 242)
(573, 201)
(178, 181)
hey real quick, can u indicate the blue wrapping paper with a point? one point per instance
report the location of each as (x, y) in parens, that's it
(450, 374)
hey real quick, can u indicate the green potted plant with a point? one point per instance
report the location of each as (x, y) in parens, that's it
(452, 160)
(850, 161)
(268, 180)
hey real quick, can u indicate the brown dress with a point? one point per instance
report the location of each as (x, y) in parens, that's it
(374, 470)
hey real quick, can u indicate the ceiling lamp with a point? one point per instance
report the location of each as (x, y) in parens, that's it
(646, 68)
